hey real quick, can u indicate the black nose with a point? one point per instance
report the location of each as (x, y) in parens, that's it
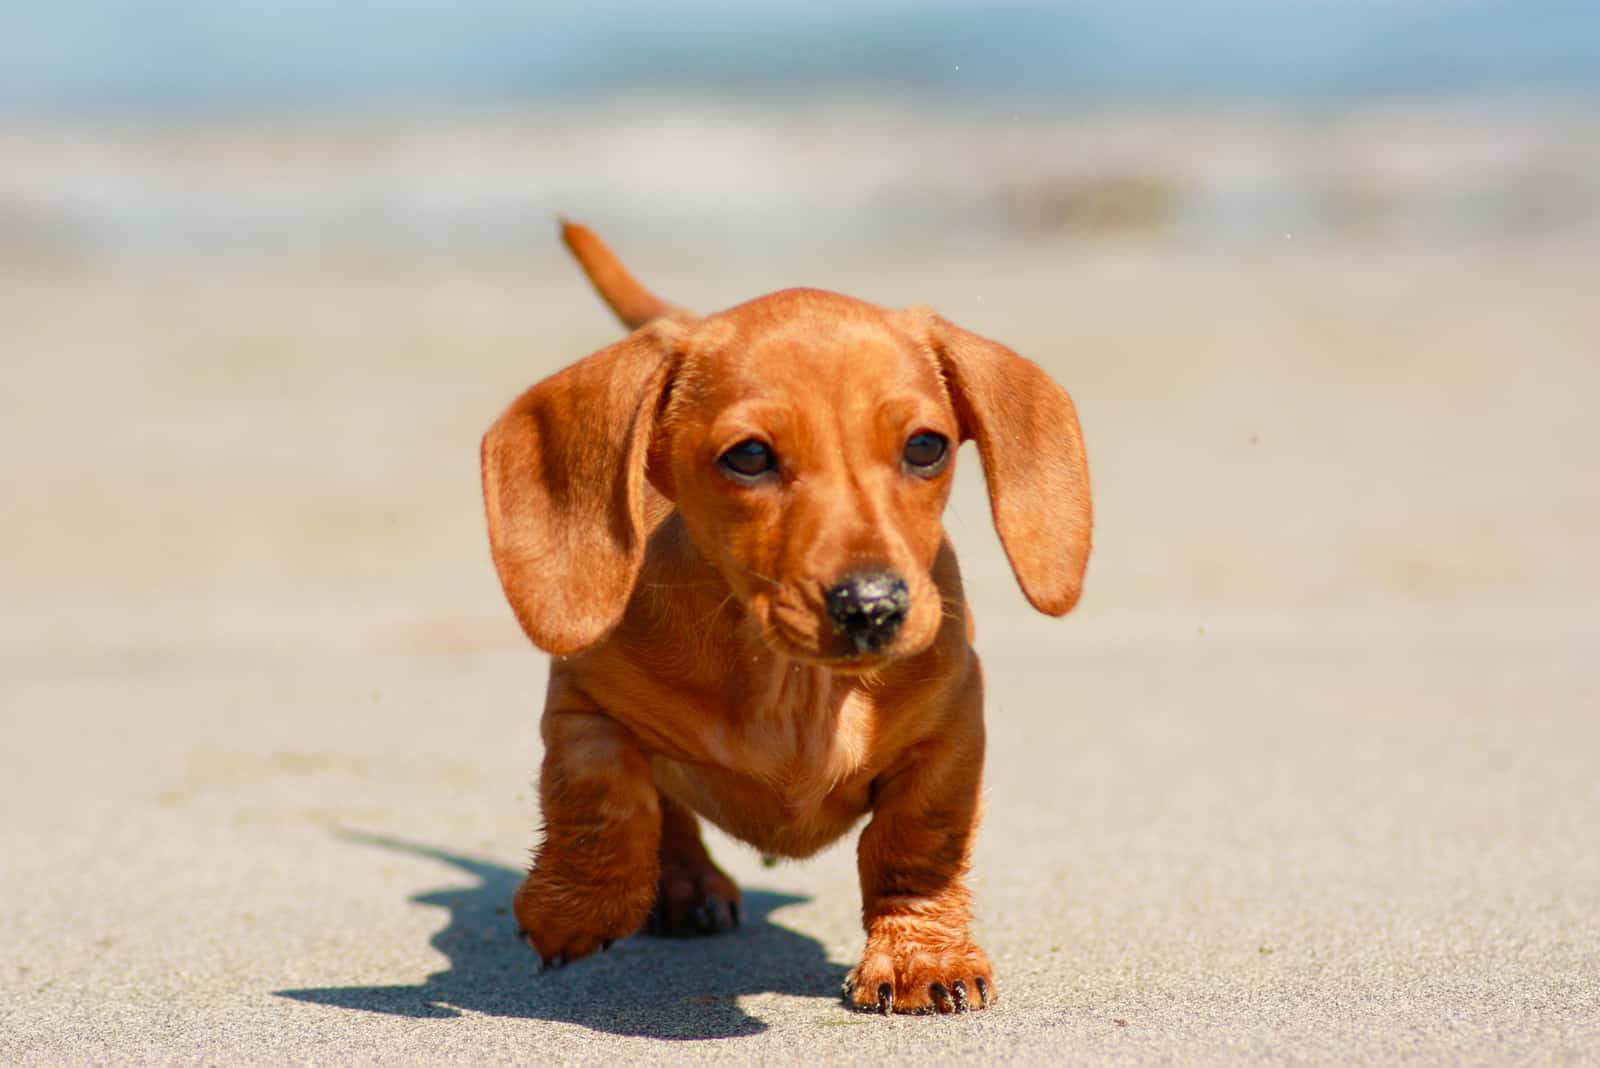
(868, 607)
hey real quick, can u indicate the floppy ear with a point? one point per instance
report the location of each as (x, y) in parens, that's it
(564, 488)
(1027, 434)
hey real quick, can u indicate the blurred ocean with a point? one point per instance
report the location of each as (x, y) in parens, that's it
(245, 124)
(188, 57)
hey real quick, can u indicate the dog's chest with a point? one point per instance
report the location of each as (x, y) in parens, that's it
(787, 771)
(801, 729)
(803, 757)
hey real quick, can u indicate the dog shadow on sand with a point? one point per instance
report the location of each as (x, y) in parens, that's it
(671, 988)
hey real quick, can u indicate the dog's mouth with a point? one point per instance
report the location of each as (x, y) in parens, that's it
(843, 661)
(847, 638)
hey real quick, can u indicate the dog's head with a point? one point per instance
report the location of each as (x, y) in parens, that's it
(808, 441)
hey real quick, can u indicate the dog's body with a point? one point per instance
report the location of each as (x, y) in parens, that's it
(727, 531)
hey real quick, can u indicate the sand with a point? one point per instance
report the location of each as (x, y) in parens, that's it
(1310, 776)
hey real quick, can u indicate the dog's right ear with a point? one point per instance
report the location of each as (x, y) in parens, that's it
(564, 489)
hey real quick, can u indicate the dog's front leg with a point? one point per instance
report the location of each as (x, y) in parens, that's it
(913, 858)
(594, 877)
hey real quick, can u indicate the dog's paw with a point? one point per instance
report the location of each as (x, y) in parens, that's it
(561, 928)
(690, 902)
(910, 976)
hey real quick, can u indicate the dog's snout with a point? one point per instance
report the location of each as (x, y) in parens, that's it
(867, 608)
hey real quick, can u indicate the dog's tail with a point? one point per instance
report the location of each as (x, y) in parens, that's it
(627, 298)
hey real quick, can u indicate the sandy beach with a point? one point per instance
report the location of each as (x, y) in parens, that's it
(1309, 776)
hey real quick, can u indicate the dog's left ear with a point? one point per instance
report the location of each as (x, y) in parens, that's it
(564, 486)
(1027, 433)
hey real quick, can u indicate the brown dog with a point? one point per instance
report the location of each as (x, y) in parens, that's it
(726, 531)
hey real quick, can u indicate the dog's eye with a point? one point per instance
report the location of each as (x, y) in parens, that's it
(748, 459)
(925, 452)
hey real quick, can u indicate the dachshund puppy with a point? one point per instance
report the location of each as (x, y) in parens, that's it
(726, 532)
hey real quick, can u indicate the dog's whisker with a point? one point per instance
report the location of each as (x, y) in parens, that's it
(715, 612)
